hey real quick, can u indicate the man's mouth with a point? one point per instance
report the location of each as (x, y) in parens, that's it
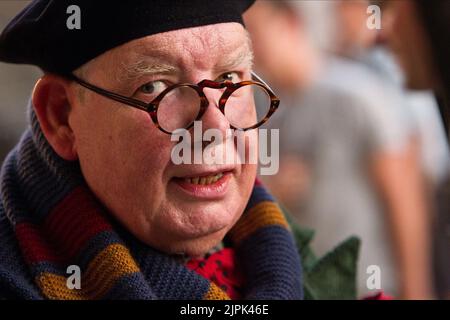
(211, 179)
(206, 185)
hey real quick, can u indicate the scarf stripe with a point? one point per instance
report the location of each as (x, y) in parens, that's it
(264, 214)
(215, 293)
(102, 273)
(72, 223)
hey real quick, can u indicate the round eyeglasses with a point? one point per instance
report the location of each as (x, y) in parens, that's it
(246, 105)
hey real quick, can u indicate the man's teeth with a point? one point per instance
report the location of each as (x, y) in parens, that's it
(204, 180)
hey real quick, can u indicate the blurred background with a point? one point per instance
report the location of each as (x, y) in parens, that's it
(360, 154)
(16, 85)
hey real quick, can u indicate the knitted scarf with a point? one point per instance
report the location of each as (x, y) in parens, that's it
(57, 222)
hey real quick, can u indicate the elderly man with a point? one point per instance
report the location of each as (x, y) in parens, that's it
(91, 187)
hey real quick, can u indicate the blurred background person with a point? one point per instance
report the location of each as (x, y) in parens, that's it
(350, 149)
(418, 33)
(16, 84)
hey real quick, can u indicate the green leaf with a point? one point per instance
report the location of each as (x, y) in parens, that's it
(334, 275)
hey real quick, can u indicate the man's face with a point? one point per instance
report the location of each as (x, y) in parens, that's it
(126, 160)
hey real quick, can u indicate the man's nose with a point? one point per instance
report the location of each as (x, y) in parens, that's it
(213, 118)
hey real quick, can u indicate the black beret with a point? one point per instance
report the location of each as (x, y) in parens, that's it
(48, 33)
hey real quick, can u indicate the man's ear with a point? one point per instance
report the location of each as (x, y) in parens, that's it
(52, 107)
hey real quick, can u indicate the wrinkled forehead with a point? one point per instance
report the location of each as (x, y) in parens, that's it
(201, 47)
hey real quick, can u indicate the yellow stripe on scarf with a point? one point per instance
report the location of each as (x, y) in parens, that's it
(215, 293)
(266, 213)
(112, 263)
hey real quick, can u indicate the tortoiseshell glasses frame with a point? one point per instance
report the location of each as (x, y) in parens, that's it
(152, 107)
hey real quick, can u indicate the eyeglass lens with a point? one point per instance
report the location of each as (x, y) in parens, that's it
(246, 107)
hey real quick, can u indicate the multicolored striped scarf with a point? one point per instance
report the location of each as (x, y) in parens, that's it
(58, 222)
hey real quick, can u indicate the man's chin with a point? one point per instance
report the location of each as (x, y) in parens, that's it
(198, 247)
(199, 220)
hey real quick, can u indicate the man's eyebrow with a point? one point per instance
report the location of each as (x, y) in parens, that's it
(145, 67)
(233, 61)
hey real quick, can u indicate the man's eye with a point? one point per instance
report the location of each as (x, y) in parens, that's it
(153, 88)
(229, 76)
